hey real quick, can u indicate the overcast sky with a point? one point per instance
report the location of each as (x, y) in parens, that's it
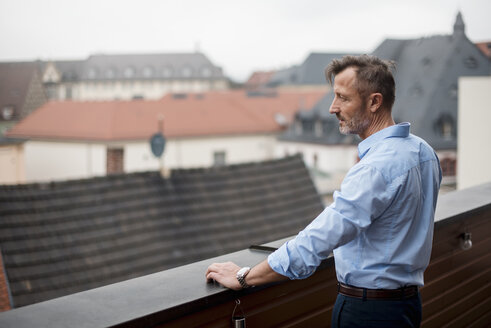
(240, 36)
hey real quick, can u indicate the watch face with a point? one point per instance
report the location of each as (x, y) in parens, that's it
(242, 271)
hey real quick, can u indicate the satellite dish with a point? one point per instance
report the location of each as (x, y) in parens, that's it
(157, 144)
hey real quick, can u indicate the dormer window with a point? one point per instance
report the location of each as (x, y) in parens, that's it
(470, 62)
(206, 72)
(318, 128)
(129, 72)
(445, 126)
(110, 73)
(453, 91)
(147, 71)
(92, 73)
(186, 71)
(307, 126)
(167, 72)
(7, 112)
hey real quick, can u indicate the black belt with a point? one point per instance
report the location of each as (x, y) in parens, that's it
(389, 294)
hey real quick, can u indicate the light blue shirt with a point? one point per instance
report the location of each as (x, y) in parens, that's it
(380, 225)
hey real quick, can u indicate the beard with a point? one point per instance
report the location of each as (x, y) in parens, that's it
(356, 124)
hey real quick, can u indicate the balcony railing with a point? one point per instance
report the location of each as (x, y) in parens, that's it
(457, 287)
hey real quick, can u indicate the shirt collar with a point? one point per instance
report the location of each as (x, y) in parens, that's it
(400, 130)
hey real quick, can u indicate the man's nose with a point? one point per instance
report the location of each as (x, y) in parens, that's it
(334, 108)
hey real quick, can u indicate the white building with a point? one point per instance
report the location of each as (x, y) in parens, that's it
(126, 77)
(67, 140)
(474, 152)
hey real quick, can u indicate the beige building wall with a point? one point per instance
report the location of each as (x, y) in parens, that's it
(12, 170)
(199, 152)
(48, 161)
(474, 132)
(51, 161)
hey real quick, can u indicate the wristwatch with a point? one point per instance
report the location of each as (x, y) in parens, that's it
(241, 274)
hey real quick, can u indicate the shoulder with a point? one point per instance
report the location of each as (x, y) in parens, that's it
(394, 157)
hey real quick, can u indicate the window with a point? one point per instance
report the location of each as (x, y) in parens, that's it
(470, 62)
(186, 71)
(449, 166)
(318, 128)
(328, 126)
(92, 73)
(445, 126)
(307, 126)
(453, 91)
(206, 72)
(167, 72)
(219, 158)
(68, 92)
(129, 72)
(7, 112)
(110, 73)
(147, 71)
(114, 160)
(298, 127)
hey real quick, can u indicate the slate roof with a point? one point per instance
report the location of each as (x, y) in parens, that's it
(426, 76)
(211, 113)
(310, 72)
(64, 237)
(163, 66)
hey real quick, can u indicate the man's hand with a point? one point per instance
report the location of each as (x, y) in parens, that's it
(225, 274)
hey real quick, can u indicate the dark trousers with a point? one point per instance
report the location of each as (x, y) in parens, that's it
(355, 312)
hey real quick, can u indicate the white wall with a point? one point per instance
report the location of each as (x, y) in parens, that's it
(198, 152)
(12, 169)
(474, 132)
(46, 160)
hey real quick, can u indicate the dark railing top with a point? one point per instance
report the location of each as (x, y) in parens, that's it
(461, 203)
(169, 294)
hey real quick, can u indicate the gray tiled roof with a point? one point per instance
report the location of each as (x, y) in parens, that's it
(65, 237)
(151, 66)
(426, 75)
(138, 67)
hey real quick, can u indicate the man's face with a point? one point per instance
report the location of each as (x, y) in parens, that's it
(349, 107)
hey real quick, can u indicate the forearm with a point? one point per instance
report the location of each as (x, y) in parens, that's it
(262, 274)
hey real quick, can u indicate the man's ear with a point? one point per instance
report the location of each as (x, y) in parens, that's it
(375, 101)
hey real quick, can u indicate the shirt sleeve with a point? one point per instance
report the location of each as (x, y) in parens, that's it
(363, 197)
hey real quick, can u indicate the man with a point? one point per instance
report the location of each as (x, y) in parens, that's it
(380, 225)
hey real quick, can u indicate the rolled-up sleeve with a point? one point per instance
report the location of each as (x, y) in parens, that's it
(364, 195)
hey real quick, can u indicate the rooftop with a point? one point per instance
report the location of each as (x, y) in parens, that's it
(184, 115)
(64, 237)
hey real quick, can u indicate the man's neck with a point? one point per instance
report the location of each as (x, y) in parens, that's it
(379, 122)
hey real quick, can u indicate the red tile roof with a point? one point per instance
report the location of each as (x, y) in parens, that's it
(485, 47)
(212, 113)
(258, 79)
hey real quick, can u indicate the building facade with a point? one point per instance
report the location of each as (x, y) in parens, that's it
(126, 77)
